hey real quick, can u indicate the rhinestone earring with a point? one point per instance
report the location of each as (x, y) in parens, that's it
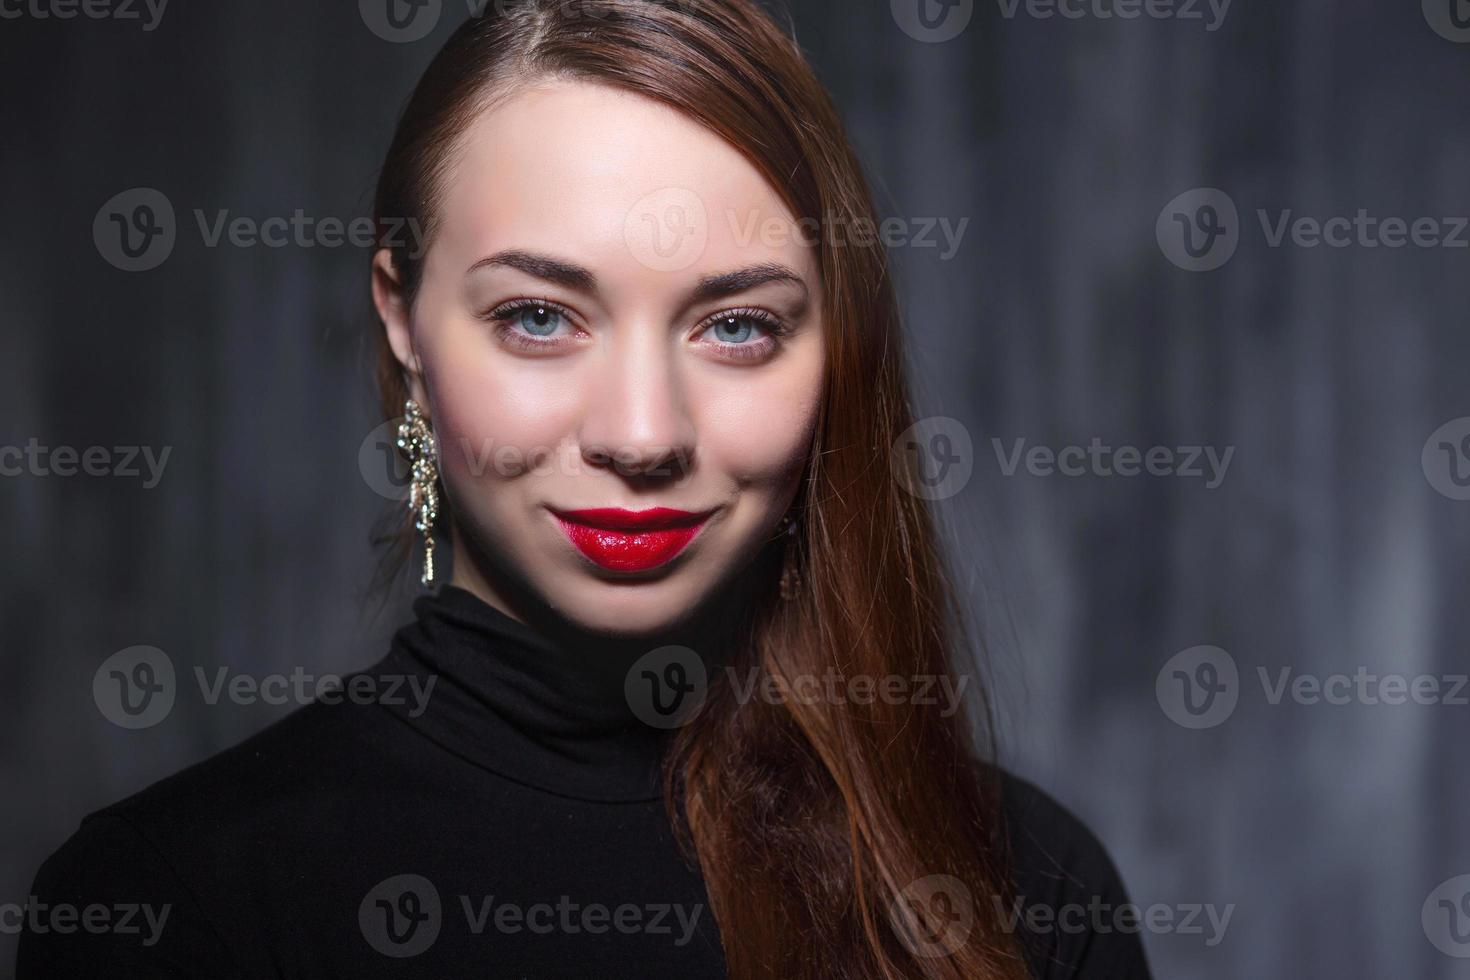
(790, 573)
(416, 440)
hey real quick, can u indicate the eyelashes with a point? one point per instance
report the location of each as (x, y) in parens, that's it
(774, 328)
(518, 323)
(746, 333)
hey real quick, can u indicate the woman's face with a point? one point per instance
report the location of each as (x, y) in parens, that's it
(618, 318)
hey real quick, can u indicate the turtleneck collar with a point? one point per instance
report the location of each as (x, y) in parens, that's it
(512, 701)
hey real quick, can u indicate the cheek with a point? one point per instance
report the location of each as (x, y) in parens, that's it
(494, 417)
(760, 435)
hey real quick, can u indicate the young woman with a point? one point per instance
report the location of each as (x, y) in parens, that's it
(681, 715)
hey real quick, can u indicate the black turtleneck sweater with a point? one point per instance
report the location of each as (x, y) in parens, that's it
(509, 825)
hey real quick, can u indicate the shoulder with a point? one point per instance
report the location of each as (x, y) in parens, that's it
(1050, 842)
(108, 903)
(161, 856)
(1067, 902)
(315, 751)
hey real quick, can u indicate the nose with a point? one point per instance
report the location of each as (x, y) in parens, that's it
(637, 419)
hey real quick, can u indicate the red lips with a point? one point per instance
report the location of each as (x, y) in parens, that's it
(630, 540)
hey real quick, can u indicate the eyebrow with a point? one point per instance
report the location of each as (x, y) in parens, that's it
(542, 267)
(726, 283)
(580, 278)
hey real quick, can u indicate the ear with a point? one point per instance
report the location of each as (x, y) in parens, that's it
(393, 310)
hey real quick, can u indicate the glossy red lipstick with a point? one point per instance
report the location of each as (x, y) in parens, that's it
(630, 540)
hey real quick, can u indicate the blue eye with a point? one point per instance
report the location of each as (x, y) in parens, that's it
(750, 335)
(539, 321)
(535, 326)
(733, 329)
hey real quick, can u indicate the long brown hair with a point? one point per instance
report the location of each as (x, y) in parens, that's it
(810, 821)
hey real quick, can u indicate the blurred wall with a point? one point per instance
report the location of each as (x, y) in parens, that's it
(1126, 268)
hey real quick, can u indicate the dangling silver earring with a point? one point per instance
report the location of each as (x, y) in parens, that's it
(416, 440)
(790, 574)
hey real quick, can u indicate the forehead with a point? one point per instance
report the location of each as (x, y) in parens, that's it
(615, 181)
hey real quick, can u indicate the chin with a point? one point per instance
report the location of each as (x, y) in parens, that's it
(628, 609)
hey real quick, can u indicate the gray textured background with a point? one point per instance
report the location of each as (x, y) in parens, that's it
(1326, 549)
